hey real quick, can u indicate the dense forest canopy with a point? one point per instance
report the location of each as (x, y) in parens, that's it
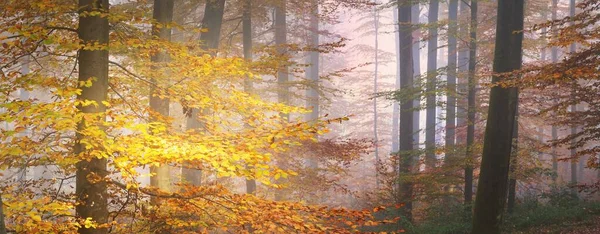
(299, 116)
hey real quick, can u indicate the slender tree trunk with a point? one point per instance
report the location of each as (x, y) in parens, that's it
(493, 177)
(416, 73)
(395, 106)
(573, 49)
(512, 182)
(24, 96)
(2, 223)
(543, 58)
(247, 43)
(471, 111)
(554, 129)
(430, 128)
(406, 113)
(282, 73)
(375, 77)
(312, 71)
(163, 14)
(93, 64)
(462, 67)
(212, 21)
(451, 78)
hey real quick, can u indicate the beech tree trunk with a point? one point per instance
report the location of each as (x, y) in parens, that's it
(471, 111)
(212, 21)
(93, 64)
(432, 44)
(493, 177)
(462, 67)
(2, 223)
(512, 182)
(247, 44)
(282, 73)
(417, 71)
(375, 77)
(163, 14)
(406, 113)
(554, 54)
(573, 49)
(415, 11)
(451, 78)
(395, 106)
(312, 71)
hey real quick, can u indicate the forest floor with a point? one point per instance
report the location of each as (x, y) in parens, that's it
(591, 225)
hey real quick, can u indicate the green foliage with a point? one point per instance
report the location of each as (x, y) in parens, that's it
(554, 209)
(559, 205)
(442, 218)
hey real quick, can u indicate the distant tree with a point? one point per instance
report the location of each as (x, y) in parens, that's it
(163, 14)
(312, 71)
(209, 41)
(247, 44)
(451, 78)
(431, 86)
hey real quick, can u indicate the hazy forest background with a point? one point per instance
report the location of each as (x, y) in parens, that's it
(299, 116)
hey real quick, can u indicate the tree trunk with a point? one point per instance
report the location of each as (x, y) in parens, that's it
(430, 128)
(543, 57)
(493, 177)
(512, 182)
(554, 54)
(212, 21)
(2, 223)
(395, 106)
(471, 111)
(163, 14)
(375, 76)
(312, 71)
(417, 71)
(462, 67)
(573, 49)
(93, 64)
(406, 113)
(451, 78)
(247, 44)
(282, 73)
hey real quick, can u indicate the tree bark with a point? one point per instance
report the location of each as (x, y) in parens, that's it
(375, 77)
(212, 21)
(247, 44)
(512, 182)
(93, 64)
(471, 111)
(406, 113)
(417, 71)
(554, 54)
(312, 71)
(462, 67)
(163, 14)
(415, 11)
(395, 106)
(573, 49)
(2, 223)
(283, 72)
(431, 88)
(492, 186)
(451, 78)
